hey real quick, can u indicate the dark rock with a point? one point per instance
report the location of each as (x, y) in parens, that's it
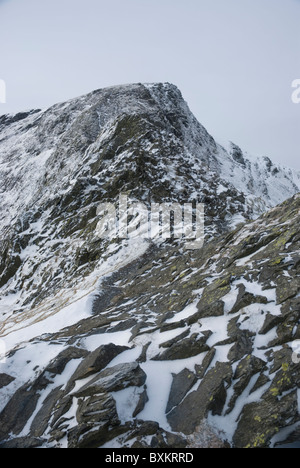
(287, 288)
(99, 408)
(210, 396)
(201, 370)
(41, 420)
(185, 348)
(5, 380)
(181, 385)
(216, 309)
(141, 403)
(19, 409)
(242, 346)
(95, 362)
(114, 379)
(23, 443)
(260, 421)
(245, 299)
(58, 365)
(271, 321)
(246, 369)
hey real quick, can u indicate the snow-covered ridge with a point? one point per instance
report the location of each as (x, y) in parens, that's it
(56, 165)
(64, 293)
(42, 154)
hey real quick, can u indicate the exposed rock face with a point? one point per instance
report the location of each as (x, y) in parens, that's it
(143, 343)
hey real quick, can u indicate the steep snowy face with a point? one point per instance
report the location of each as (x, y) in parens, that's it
(142, 134)
(57, 165)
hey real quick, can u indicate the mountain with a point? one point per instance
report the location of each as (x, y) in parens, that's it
(110, 342)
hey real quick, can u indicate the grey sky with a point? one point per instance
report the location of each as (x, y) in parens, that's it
(234, 60)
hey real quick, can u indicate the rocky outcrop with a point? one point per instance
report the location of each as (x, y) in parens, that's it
(224, 318)
(143, 343)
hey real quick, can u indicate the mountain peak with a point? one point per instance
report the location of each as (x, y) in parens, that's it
(106, 316)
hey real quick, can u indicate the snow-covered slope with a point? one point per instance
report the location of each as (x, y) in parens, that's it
(56, 166)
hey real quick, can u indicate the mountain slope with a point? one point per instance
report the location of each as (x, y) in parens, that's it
(57, 165)
(183, 337)
(73, 307)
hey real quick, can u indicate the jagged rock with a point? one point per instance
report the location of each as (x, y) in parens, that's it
(205, 437)
(270, 322)
(20, 407)
(245, 299)
(139, 432)
(5, 380)
(58, 365)
(114, 379)
(91, 435)
(210, 396)
(23, 443)
(95, 362)
(185, 348)
(201, 370)
(41, 420)
(97, 409)
(141, 403)
(260, 421)
(243, 345)
(247, 368)
(181, 384)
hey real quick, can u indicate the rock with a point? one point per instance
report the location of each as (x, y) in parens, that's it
(214, 292)
(210, 396)
(90, 435)
(245, 299)
(185, 348)
(260, 421)
(5, 380)
(246, 369)
(99, 408)
(271, 321)
(216, 309)
(41, 420)
(20, 408)
(141, 430)
(287, 288)
(141, 403)
(181, 384)
(201, 370)
(23, 443)
(205, 437)
(96, 361)
(114, 379)
(242, 346)
(58, 365)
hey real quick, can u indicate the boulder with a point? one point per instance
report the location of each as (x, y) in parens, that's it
(96, 361)
(210, 396)
(114, 379)
(181, 385)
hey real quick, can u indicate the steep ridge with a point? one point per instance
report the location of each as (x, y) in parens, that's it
(88, 325)
(57, 165)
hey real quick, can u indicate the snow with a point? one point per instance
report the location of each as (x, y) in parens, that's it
(30, 179)
(159, 381)
(185, 313)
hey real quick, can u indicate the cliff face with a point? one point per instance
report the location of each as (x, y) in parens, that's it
(112, 341)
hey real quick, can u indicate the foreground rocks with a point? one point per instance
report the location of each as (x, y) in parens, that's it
(201, 341)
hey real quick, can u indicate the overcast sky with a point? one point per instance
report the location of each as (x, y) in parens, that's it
(234, 60)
